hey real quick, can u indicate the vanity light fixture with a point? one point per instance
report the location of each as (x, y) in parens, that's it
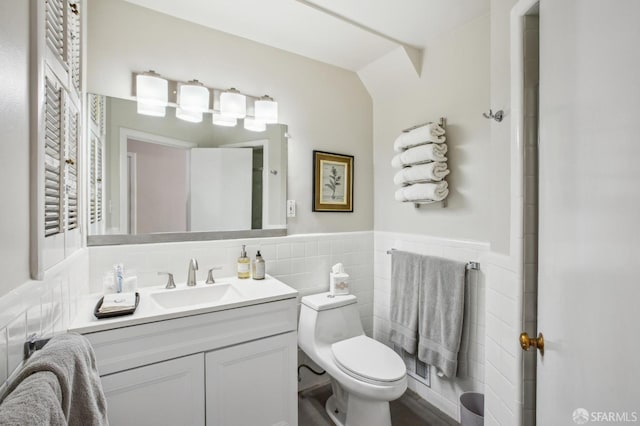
(266, 109)
(233, 104)
(190, 116)
(254, 125)
(220, 120)
(193, 97)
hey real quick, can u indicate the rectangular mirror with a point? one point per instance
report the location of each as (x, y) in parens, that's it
(159, 179)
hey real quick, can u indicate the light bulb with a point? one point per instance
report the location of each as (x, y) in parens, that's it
(233, 104)
(151, 89)
(266, 109)
(193, 96)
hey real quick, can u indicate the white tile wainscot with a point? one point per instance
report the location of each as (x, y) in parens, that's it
(443, 393)
(503, 388)
(43, 308)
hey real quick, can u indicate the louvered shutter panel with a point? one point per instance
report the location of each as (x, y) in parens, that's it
(99, 203)
(54, 131)
(71, 167)
(54, 21)
(73, 43)
(93, 144)
(94, 109)
(103, 115)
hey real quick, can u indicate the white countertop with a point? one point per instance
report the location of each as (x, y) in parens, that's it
(246, 292)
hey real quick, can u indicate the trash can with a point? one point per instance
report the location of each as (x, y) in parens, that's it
(472, 409)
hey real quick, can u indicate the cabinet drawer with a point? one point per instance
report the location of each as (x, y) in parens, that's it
(130, 347)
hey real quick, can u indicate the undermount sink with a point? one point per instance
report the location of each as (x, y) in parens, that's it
(213, 294)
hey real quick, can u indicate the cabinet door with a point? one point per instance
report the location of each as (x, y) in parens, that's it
(253, 384)
(166, 393)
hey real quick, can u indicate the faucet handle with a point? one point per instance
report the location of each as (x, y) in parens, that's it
(170, 282)
(210, 279)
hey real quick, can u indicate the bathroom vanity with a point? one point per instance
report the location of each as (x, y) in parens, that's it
(220, 354)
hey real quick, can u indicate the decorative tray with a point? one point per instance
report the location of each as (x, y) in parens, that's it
(101, 315)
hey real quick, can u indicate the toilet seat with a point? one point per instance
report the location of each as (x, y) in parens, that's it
(368, 360)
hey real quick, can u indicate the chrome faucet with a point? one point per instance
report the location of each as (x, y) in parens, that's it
(191, 276)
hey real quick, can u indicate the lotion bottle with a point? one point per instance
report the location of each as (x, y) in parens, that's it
(244, 264)
(258, 267)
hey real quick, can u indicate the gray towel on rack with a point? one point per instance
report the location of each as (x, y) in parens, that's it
(35, 401)
(405, 287)
(463, 353)
(441, 313)
(71, 359)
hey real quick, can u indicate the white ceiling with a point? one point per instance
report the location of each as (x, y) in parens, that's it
(338, 32)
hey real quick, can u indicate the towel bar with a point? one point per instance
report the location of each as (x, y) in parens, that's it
(471, 265)
(32, 345)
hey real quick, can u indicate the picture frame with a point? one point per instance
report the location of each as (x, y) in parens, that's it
(332, 182)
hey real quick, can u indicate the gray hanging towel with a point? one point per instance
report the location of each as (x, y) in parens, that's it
(405, 288)
(441, 313)
(70, 358)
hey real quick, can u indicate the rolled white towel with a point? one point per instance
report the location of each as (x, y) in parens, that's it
(436, 191)
(422, 172)
(432, 132)
(420, 154)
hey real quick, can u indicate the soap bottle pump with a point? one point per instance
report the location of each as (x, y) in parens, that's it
(244, 264)
(258, 267)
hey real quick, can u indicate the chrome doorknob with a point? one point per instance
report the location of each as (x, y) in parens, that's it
(526, 342)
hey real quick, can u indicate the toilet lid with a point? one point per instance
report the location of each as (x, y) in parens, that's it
(369, 358)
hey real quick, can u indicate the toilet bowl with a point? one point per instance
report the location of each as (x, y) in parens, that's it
(365, 374)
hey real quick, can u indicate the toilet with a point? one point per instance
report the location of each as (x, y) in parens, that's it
(365, 374)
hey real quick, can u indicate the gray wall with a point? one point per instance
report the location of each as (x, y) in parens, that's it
(454, 83)
(325, 107)
(14, 144)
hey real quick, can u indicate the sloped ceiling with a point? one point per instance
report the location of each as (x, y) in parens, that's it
(346, 33)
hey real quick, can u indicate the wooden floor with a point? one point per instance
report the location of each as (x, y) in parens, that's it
(410, 410)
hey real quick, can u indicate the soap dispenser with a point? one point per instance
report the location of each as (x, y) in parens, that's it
(258, 267)
(244, 264)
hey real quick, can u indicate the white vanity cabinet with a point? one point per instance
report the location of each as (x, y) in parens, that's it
(252, 383)
(167, 393)
(230, 367)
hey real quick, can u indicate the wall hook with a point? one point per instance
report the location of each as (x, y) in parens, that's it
(497, 116)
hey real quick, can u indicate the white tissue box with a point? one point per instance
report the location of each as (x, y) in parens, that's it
(338, 283)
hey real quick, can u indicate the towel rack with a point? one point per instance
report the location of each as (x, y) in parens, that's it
(471, 265)
(443, 123)
(33, 344)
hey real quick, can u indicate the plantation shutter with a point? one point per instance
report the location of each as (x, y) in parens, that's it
(56, 74)
(99, 203)
(97, 107)
(54, 131)
(93, 144)
(71, 167)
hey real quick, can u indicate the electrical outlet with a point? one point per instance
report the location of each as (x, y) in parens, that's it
(291, 208)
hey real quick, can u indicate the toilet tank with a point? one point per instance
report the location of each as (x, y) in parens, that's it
(325, 320)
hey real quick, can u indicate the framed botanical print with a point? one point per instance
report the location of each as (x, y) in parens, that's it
(332, 182)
